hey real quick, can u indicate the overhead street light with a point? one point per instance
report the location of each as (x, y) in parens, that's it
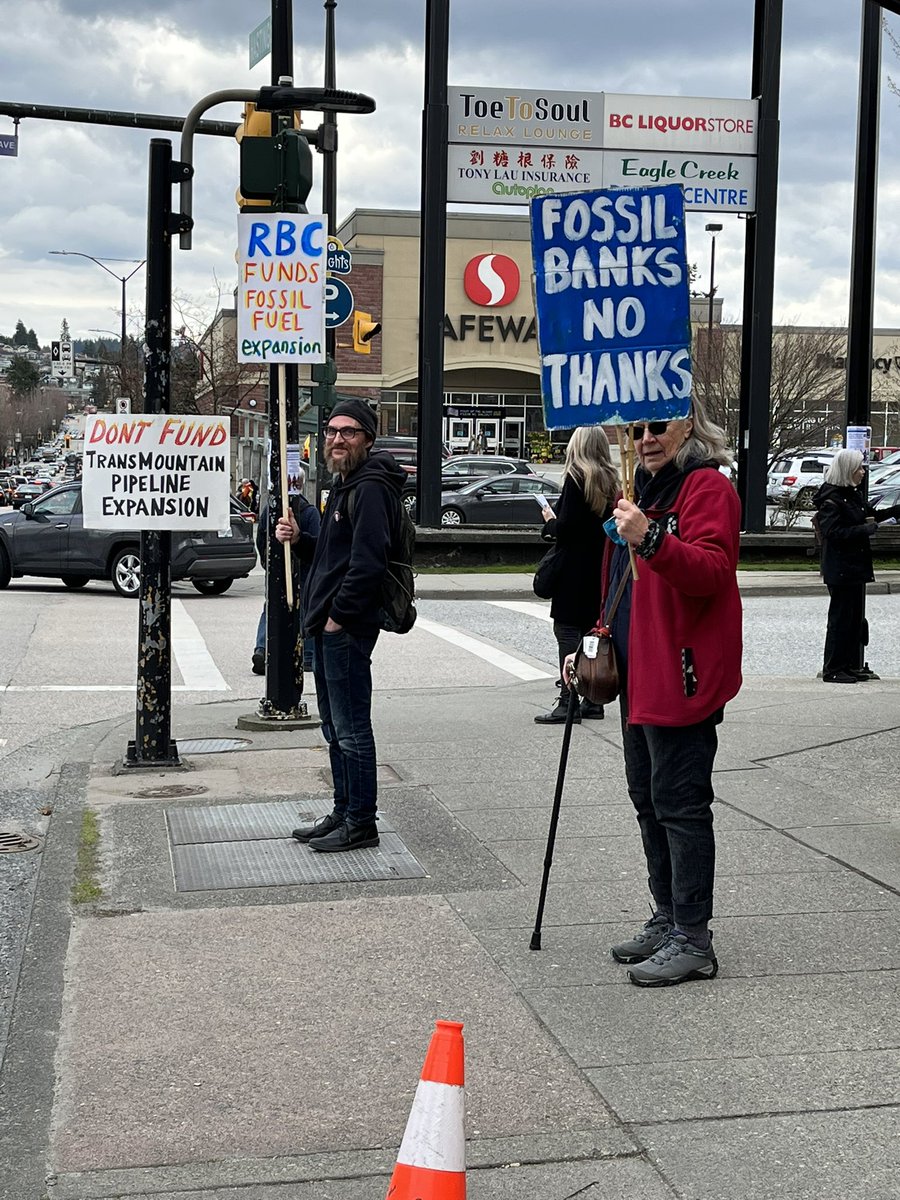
(123, 279)
(713, 229)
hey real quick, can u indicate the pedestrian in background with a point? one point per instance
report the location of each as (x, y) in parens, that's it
(846, 524)
(306, 516)
(677, 638)
(590, 483)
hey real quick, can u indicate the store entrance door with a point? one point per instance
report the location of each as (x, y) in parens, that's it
(458, 433)
(487, 435)
(512, 438)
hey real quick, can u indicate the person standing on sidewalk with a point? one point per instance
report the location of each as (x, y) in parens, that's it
(677, 637)
(590, 484)
(340, 601)
(846, 525)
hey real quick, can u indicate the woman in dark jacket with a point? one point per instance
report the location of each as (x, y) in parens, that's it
(846, 525)
(589, 489)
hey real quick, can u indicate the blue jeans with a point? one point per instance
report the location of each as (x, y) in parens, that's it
(342, 666)
(669, 774)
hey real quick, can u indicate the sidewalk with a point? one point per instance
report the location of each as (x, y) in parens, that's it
(264, 1042)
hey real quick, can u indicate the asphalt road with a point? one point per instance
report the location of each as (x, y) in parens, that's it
(69, 658)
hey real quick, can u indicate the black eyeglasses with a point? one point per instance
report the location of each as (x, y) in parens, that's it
(653, 427)
(345, 432)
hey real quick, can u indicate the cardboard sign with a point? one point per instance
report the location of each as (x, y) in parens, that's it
(156, 472)
(613, 306)
(281, 278)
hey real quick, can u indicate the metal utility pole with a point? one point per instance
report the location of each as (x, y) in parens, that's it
(432, 263)
(327, 146)
(759, 272)
(153, 745)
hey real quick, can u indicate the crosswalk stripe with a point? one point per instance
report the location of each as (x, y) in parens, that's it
(531, 608)
(498, 658)
(199, 672)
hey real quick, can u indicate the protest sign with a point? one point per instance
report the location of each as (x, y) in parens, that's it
(613, 306)
(281, 281)
(156, 472)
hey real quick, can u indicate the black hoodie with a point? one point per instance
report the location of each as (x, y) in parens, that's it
(344, 581)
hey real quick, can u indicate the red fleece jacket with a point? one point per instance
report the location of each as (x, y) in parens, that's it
(686, 618)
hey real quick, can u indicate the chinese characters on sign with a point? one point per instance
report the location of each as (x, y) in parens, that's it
(613, 306)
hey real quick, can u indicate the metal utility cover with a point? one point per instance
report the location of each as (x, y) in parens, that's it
(211, 745)
(250, 845)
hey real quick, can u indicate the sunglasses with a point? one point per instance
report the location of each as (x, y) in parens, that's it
(655, 428)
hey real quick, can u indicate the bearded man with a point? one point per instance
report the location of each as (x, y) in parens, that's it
(341, 597)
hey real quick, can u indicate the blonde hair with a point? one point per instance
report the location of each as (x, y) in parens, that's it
(588, 463)
(707, 441)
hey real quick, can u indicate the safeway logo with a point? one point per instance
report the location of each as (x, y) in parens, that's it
(491, 280)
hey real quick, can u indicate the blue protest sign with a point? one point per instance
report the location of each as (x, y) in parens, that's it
(613, 306)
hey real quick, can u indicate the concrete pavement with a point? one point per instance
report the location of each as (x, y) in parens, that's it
(264, 1042)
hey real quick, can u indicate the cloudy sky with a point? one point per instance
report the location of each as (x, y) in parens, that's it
(84, 188)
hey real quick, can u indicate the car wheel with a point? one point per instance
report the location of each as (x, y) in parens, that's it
(5, 569)
(75, 581)
(408, 500)
(126, 573)
(805, 497)
(452, 516)
(212, 587)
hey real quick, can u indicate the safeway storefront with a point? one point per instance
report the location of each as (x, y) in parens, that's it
(491, 370)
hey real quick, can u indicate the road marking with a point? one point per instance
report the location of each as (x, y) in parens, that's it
(497, 658)
(531, 608)
(199, 672)
(90, 687)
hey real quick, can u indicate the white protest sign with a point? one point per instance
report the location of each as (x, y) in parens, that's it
(156, 472)
(281, 287)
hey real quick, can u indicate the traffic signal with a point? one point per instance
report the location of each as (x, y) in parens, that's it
(68, 441)
(364, 329)
(276, 163)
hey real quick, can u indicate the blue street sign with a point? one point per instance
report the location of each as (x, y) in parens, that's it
(340, 262)
(9, 144)
(338, 302)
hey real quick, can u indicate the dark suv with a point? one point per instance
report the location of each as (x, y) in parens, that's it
(47, 537)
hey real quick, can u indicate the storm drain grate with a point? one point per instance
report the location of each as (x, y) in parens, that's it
(211, 745)
(14, 842)
(250, 845)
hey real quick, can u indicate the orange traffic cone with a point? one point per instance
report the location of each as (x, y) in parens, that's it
(431, 1164)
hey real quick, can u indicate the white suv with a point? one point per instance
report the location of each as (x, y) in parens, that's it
(798, 477)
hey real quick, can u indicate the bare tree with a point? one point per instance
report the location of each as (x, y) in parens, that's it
(208, 333)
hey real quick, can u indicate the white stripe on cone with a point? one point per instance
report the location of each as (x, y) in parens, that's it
(435, 1132)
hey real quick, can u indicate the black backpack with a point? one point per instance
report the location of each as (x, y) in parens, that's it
(397, 610)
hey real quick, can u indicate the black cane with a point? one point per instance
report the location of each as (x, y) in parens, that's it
(554, 816)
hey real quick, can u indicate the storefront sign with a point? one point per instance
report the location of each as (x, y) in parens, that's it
(613, 306)
(510, 147)
(491, 280)
(281, 278)
(486, 327)
(471, 411)
(156, 472)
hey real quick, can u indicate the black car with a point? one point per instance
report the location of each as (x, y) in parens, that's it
(47, 537)
(458, 471)
(508, 500)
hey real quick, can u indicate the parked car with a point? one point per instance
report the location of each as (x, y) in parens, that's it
(884, 494)
(505, 500)
(32, 490)
(47, 537)
(460, 470)
(797, 477)
(7, 487)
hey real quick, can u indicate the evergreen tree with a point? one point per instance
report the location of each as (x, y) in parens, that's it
(22, 376)
(32, 342)
(20, 337)
(64, 335)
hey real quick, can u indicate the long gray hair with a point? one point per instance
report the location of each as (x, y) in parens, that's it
(843, 467)
(589, 464)
(707, 441)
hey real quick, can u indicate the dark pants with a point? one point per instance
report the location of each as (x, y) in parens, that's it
(568, 639)
(343, 673)
(844, 635)
(669, 774)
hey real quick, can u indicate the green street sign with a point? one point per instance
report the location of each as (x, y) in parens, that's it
(261, 41)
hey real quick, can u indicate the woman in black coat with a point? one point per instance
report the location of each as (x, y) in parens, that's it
(846, 524)
(590, 484)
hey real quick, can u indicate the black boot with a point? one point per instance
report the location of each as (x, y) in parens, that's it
(557, 714)
(591, 711)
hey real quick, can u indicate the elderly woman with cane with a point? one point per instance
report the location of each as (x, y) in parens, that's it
(677, 638)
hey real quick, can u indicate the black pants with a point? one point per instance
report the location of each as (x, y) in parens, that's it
(568, 639)
(669, 774)
(844, 635)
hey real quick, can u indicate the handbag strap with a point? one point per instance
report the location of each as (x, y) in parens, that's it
(620, 591)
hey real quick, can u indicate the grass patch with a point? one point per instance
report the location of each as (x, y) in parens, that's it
(86, 886)
(750, 564)
(483, 569)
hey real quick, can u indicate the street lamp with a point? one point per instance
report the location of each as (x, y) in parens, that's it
(123, 279)
(713, 229)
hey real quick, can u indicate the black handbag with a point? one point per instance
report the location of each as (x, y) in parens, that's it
(596, 676)
(548, 573)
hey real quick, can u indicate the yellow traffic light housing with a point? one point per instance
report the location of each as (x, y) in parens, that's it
(364, 329)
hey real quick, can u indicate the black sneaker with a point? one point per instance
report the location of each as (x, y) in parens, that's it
(318, 829)
(557, 714)
(652, 935)
(347, 836)
(258, 662)
(840, 677)
(865, 674)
